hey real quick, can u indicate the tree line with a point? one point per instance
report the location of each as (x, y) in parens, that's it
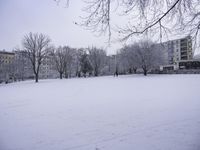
(143, 56)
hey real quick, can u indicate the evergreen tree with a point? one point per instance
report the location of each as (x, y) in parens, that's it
(86, 66)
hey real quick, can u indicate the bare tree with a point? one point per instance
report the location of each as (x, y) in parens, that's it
(78, 58)
(97, 58)
(129, 59)
(69, 60)
(111, 62)
(148, 55)
(157, 16)
(59, 59)
(19, 63)
(36, 45)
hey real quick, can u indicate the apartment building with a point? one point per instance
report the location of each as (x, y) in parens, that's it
(178, 50)
(48, 69)
(17, 66)
(6, 65)
(23, 65)
(6, 57)
(183, 49)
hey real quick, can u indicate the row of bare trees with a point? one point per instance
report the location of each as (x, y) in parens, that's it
(63, 58)
(66, 60)
(91, 61)
(80, 61)
(144, 55)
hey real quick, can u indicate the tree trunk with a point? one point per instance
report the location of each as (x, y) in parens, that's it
(60, 75)
(145, 71)
(130, 71)
(66, 76)
(37, 73)
(95, 74)
(135, 70)
(36, 77)
(79, 74)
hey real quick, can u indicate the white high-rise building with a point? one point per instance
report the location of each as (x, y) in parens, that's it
(178, 50)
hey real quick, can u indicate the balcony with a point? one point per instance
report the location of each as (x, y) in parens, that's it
(183, 53)
(183, 57)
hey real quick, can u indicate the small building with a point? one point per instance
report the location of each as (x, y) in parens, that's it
(168, 67)
(189, 64)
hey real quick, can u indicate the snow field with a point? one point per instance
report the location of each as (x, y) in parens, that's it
(157, 112)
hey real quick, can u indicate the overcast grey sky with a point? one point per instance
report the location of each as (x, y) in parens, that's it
(19, 17)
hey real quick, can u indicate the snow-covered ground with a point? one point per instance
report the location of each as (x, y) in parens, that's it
(157, 112)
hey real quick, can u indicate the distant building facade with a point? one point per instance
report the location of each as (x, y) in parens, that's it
(6, 65)
(6, 57)
(17, 66)
(177, 51)
(47, 69)
(23, 66)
